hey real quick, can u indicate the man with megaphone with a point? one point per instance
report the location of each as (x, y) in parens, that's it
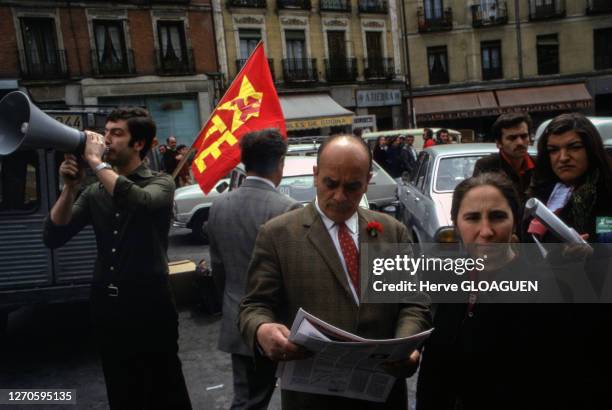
(133, 313)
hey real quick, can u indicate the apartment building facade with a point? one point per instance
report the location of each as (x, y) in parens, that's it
(330, 58)
(471, 61)
(95, 55)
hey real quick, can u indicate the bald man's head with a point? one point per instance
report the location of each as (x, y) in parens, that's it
(342, 175)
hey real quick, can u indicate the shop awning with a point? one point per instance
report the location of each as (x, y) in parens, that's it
(550, 98)
(305, 111)
(452, 106)
(493, 103)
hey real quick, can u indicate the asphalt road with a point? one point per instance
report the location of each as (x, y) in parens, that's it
(51, 347)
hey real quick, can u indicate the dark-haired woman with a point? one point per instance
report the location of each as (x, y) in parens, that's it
(477, 355)
(574, 179)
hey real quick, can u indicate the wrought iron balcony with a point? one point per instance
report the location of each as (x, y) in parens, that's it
(50, 66)
(540, 10)
(294, 4)
(489, 15)
(242, 61)
(335, 5)
(179, 65)
(431, 23)
(254, 4)
(111, 68)
(341, 69)
(373, 6)
(599, 6)
(300, 70)
(378, 68)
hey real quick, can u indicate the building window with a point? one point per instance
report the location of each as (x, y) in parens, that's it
(437, 65)
(111, 56)
(40, 57)
(491, 60)
(433, 9)
(548, 54)
(297, 67)
(249, 38)
(602, 42)
(296, 44)
(172, 40)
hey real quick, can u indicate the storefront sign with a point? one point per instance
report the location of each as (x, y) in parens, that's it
(364, 121)
(491, 112)
(71, 120)
(378, 98)
(319, 123)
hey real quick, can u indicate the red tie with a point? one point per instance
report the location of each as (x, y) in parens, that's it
(350, 254)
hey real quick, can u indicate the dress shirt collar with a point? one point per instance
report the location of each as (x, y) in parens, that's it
(351, 223)
(266, 180)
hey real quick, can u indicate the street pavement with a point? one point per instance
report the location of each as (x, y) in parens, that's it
(52, 347)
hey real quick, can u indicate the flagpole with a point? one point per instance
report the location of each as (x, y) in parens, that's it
(181, 164)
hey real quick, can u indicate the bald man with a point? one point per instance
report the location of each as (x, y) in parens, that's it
(308, 258)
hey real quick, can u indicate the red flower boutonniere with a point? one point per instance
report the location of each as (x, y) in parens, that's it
(374, 227)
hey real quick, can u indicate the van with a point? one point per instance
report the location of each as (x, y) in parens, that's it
(30, 272)
(372, 137)
(603, 125)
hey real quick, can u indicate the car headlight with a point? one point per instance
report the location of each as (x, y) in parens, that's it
(446, 234)
(174, 210)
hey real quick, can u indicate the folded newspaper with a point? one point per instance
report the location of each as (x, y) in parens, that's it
(343, 364)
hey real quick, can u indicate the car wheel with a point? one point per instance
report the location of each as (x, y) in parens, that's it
(198, 226)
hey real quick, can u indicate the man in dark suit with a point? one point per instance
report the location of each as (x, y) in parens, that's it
(408, 156)
(309, 258)
(511, 132)
(233, 224)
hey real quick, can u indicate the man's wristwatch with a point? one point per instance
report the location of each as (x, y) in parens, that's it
(101, 166)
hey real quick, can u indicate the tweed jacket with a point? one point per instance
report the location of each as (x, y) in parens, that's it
(235, 218)
(295, 264)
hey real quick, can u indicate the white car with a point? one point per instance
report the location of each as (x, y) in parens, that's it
(191, 206)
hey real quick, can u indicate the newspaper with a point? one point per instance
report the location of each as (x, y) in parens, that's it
(343, 364)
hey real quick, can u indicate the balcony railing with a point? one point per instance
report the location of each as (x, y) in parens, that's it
(489, 15)
(373, 6)
(294, 4)
(253, 4)
(546, 9)
(175, 66)
(442, 21)
(125, 66)
(34, 68)
(341, 69)
(599, 6)
(378, 68)
(492, 73)
(300, 70)
(335, 5)
(242, 61)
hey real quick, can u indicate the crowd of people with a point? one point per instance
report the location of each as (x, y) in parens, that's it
(270, 257)
(398, 156)
(166, 157)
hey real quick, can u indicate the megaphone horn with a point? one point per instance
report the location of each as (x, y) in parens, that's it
(24, 125)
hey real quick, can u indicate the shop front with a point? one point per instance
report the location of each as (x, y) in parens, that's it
(314, 115)
(478, 110)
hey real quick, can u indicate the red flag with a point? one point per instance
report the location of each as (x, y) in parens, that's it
(250, 104)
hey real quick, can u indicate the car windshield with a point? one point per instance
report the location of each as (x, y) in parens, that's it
(301, 187)
(452, 171)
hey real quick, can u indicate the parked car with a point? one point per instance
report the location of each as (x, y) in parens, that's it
(382, 189)
(603, 125)
(426, 197)
(191, 206)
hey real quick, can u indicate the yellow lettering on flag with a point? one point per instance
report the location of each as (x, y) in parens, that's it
(214, 149)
